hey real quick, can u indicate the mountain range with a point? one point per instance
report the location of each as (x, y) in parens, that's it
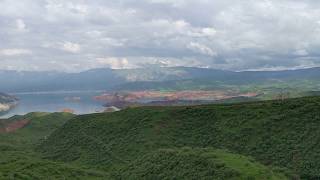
(173, 78)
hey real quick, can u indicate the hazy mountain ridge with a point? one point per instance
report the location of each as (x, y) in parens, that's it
(107, 79)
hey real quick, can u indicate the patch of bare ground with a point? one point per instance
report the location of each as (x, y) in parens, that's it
(14, 126)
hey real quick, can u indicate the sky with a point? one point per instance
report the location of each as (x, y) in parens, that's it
(76, 35)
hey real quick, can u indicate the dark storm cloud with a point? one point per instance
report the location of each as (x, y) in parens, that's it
(81, 34)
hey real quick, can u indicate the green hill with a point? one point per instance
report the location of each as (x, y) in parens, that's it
(21, 165)
(18, 160)
(187, 163)
(39, 127)
(277, 133)
(17, 157)
(199, 142)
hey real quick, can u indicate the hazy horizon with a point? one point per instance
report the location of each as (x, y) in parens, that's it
(101, 68)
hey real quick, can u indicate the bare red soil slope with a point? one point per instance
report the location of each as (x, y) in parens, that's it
(13, 126)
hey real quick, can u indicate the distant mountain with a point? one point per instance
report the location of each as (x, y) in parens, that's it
(143, 78)
(171, 73)
(97, 79)
(210, 79)
(14, 81)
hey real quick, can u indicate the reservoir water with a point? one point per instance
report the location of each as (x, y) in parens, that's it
(81, 102)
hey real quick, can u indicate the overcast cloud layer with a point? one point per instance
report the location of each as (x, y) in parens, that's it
(75, 35)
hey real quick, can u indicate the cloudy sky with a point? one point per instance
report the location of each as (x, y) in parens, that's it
(75, 35)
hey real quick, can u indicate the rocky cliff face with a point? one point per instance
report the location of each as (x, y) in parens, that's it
(7, 102)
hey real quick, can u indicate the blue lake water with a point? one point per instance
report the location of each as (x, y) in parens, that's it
(80, 102)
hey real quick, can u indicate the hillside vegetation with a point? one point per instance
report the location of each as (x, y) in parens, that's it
(39, 127)
(282, 133)
(137, 143)
(17, 157)
(27, 166)
(187, 163)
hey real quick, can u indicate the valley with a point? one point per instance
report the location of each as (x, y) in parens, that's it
(159, 90)
(191, 122)
(97, 89)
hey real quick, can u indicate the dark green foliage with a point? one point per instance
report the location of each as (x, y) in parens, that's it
(187, 163)
(20, 165)
(40, 127)
(278, 133)
(18, 161)
(148, 143)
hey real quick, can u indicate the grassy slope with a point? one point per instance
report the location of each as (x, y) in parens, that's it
(40, 127)
(187, 163)
(278, 133)
(18, 160)
(21, 165)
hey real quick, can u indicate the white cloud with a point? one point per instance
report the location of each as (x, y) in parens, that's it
(200, 48)
(21, 26)
(113, 42)
(301, 52)
(94, 33)
(14, 52)
(114, 62)
(209, 31)
(228, 34)
(173, 3)
(71, 47)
